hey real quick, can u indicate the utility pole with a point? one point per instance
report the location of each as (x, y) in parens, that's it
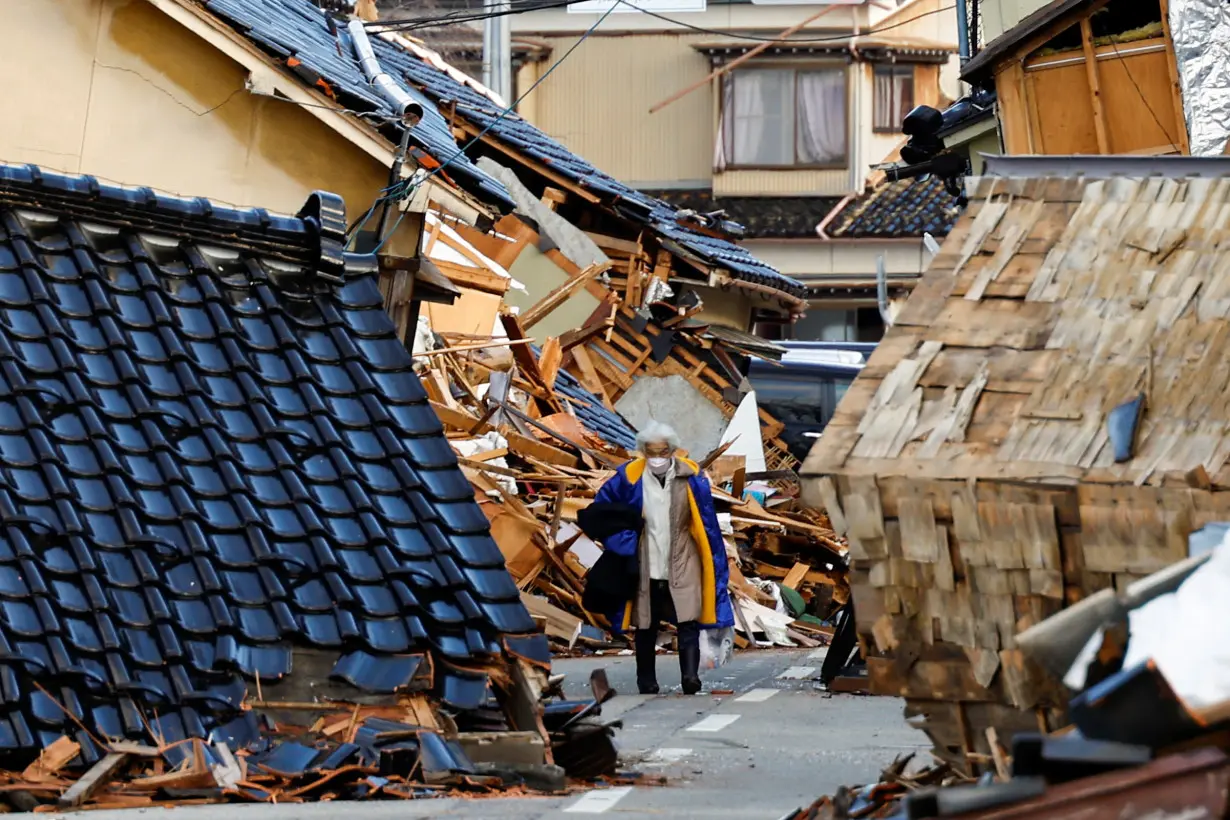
(497, 52)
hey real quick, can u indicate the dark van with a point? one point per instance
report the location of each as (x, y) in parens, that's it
(802, 391)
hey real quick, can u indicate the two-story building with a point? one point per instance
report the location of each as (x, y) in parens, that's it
(775, 112)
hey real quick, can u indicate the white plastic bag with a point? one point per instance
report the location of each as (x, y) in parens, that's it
(716, 647)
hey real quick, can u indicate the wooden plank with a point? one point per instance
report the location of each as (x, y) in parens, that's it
(135, 749)
(561, 625)
(98, 776)
(930, 680)
(994, 323)
(459, 419)
(796, 575)
(550, 359)
(1095, 91)
(1020, 225)
(1007, 370)
(53, 758)
(543, 307)
(528, 447)
(1013, 108)
(478, 279)
(509, 748)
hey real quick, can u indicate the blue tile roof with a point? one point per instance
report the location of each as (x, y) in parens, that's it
(296, 32)
(607, 425)
(297, 29)
(213, 450)
(907, 208)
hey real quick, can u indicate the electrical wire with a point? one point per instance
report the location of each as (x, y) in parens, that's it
(413, 184)
(474, 15)
(1157, 121)
(789, 40)
(466, 15)
(407, 187)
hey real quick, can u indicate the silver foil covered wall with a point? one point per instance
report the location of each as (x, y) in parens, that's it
(1201, 32)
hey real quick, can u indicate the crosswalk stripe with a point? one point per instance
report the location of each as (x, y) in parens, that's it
(713, 723)
(819, 654)
(797, 673)
(598, 800)
(756, 695)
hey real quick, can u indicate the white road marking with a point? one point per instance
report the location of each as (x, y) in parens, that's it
(663, 756)
(756, 695)
(819, 655)
(797, 673)
(599, 800)
(713, 723)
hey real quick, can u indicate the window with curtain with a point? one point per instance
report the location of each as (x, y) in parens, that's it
(894, 96)
(783, 118)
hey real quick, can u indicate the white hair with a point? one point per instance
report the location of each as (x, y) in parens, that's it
(656, 431)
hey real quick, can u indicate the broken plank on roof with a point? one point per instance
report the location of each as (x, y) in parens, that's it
(539, 310)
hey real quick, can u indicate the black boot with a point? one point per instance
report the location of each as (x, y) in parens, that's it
(689, 657)
(646, 641)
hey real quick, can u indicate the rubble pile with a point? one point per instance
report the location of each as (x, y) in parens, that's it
(279, 752)
(537, 447)
(883, 798)
(1149, 712)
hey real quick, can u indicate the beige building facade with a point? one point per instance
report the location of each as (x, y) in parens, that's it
(781, 140)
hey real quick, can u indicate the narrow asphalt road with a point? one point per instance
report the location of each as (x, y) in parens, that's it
(774, 745)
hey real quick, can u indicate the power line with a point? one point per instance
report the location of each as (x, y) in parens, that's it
(788, 41)
(411, 185)
(1157, 121)
(467, 15)
(471, 15)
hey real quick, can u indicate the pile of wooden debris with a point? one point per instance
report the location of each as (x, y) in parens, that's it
(537, 447)
(286, 752)
(884, 798)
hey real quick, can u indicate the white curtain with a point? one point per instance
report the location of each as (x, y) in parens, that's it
(758, 118)
(721, 147)
(894, 96)
(822, 117)
(884, 101)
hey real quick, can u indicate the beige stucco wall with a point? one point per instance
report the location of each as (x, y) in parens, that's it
(597, 101)
(980, 147)
(116, 89)
(813, 261)
(997, 16)
(729, 308)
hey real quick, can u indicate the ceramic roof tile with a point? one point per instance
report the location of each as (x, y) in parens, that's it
(297, 29)
(213, 450)
(606, 424)
(910, 207)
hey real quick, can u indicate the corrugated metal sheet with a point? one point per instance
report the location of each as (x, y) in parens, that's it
(834, 182)
(597, 103)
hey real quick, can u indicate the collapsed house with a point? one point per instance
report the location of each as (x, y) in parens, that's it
(654, 305)
(226, 496)
(1043, 421)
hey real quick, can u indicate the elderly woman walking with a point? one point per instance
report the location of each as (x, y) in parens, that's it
(680, 558)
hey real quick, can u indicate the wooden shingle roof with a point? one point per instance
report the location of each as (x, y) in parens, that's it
(1052, 302)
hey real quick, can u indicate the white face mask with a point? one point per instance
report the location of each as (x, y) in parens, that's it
(659, 465)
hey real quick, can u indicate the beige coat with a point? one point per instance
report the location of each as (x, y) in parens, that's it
(685, 569)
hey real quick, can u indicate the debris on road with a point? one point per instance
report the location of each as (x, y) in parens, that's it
(1149, 714)
(536, 446)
